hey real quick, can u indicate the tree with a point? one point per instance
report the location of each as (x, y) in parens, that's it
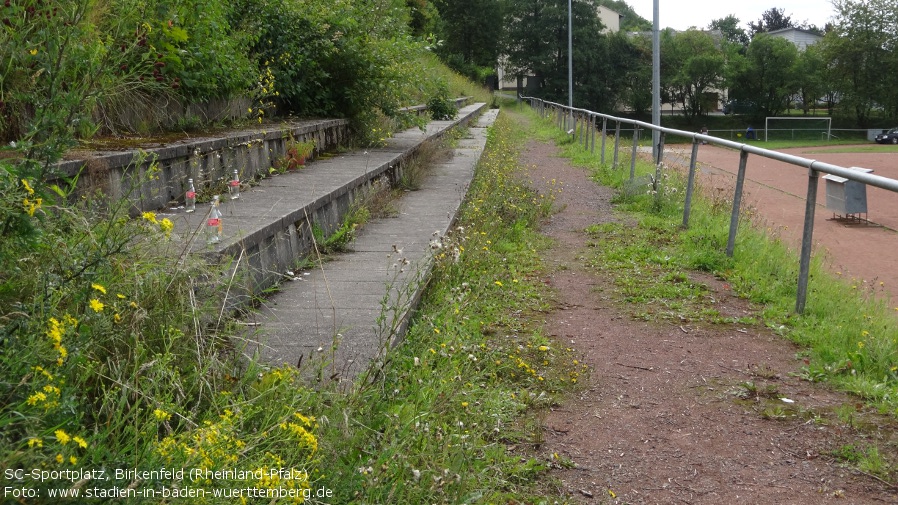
(772, 19)
(732, 33)
(810, 81)
(637, 79)
(861, 47)
(694, 64)
(768, 76)
(472, 32)
(424, 19)
(537, 44)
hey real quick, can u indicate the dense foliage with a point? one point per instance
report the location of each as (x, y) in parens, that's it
(847, 72)
(537, 44)
(471, 34)
(84, 64)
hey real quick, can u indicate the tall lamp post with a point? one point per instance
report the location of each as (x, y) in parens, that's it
(570, 62)
(656, 80)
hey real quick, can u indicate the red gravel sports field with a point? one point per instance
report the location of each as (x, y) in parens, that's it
(865, 255)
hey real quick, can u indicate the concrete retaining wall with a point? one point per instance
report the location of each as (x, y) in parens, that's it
(272, 238)
(209, 161)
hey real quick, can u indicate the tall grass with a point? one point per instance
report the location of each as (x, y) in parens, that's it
(114, 356)
(118, 355)
(435, 425)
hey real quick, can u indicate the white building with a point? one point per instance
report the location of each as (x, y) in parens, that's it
(801, 38)
(609, 18)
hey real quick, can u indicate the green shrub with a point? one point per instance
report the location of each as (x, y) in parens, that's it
(440, 106)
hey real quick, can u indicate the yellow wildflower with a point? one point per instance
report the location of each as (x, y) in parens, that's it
(150, 216)
(97, 305)
(166, 226)
(498, 283)
(73, 460)
(161, 415)
(99, 288)
(55, 331)
(36, 398)
(28, 187)
(62, 436)
(59, 458)
(35, 442)
(31, 206)
(80, 441)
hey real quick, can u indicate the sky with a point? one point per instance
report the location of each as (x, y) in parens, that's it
(681, 14)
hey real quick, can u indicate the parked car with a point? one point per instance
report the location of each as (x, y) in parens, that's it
(739, 107)
(888, 137)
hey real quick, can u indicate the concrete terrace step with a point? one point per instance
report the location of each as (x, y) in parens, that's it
(342, 314)
(268, 230)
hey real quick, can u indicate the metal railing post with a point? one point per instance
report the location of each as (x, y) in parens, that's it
(690, 183)
(592, 133)
(616, 144)
(814, 166)
(737, 203)
(806, 241)
(633, 154)
(581, 133)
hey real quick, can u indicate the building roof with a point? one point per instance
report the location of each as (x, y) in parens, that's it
(786, 30)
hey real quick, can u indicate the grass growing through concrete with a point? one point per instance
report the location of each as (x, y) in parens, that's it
(439, 423)
(110, 361)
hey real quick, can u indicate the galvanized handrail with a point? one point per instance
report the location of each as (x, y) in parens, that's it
(588, 121)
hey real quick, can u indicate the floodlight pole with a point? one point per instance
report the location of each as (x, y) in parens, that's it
(570, 59)
(656, 81)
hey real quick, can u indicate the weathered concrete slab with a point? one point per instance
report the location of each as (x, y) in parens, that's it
(342, 300)
(271, 223)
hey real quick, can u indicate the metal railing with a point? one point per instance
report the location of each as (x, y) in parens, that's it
(584, 125)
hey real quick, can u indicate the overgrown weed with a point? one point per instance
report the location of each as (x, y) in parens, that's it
(435, 425)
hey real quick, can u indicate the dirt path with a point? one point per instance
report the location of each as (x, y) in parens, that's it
(660, 420)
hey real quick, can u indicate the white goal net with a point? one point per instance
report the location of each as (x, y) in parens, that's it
(798, 128)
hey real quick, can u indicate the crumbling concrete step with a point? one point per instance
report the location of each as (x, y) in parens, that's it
(342, 315)
(268, 230)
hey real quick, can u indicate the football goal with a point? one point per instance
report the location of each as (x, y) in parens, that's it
(798, 128)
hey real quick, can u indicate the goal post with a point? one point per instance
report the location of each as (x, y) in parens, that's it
(797, 128)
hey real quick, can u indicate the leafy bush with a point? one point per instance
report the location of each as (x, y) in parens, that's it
(440, 106)
(195, 50)
(83, 62)
(56, 62)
